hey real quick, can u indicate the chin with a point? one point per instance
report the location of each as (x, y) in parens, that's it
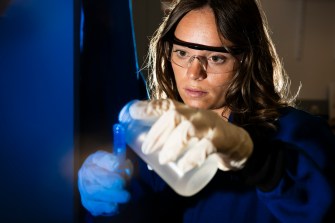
(196, 104)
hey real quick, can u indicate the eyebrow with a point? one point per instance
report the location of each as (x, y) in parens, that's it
(195, 46)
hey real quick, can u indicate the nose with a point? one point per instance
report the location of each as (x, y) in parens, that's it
(196, 69)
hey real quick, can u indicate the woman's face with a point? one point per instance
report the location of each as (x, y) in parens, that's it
(201, 80)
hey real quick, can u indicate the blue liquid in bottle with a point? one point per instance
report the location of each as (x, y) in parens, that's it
(119, 143)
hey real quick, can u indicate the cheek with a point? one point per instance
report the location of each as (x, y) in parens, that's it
(220, 80)
(179, 74)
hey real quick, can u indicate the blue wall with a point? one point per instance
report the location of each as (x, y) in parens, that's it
(36, 112)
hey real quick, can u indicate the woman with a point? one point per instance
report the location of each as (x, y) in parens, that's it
(217, 55)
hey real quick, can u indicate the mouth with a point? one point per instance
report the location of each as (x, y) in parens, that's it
(195, 93)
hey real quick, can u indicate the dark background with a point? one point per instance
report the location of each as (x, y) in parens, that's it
(62, 85)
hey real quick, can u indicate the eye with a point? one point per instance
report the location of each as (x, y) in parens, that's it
(217, 59)
(180, 53)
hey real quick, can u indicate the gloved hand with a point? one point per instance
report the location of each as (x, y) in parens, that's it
(101, 182)
(188, 135)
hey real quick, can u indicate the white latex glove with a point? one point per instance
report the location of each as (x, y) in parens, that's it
(101, 181)
(188, 135)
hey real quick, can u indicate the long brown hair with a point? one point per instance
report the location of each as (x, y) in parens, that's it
(260, 86)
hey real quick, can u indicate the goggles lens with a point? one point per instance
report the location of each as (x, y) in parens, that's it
(215, 60)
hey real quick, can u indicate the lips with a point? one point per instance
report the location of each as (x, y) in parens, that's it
(195, 93)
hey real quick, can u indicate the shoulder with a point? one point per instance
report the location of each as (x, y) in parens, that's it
(297, 115)
(297, 123)
(306, 132)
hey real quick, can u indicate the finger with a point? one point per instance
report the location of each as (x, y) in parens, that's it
(97, 208)
(160, 131)
(118, 196)
(110, 180)
(110, 163)
(105, 194)
(161, 106)
(94, 175)
(225, 163)
(150, 111)
(196, 155)
(92, 158)
(108, 192)
(139, 111)
(176, 142)
(88, 189)
(107, 161)
(102, 159)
